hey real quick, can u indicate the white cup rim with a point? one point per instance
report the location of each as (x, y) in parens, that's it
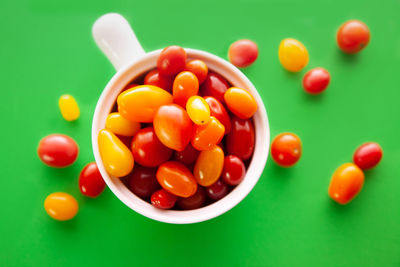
(253, 173)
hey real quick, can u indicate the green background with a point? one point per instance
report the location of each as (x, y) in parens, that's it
(46, 49)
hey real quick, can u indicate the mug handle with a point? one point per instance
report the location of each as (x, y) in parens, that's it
(116, 39)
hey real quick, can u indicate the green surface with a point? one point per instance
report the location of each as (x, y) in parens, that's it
(46, 50)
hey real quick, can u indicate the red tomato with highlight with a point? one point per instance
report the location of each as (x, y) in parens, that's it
(163, 200)
(58, 150)
(217, 190)
(199, 68)
(147, 150)
(188, 155)
(316, 80)
(234, 170)
(368, 155)
(143, 182)
(172, 60)
(286, 149)
(241, 140)
(91, 182)
(353, 36)
(155, 78)
(214, 85)
(194, 202)
(218, 111)
(243, 53)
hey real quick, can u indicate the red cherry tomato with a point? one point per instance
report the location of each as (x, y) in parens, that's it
(163, 200)
(286, 149)
(218, 111)
(188, 155)
(217, 190)
(316, 80)
(214, 85)
(185, 85)
(154, 77)
(234, 170)
(353, 36)
(173, 126)
(368, 155)
(199, 68)
(143, 182)
(243, 53)
(240, 141)
(91, 182)
(147, 150)
(177, 179)
(172, 60)
(58, 150)
(194, 202)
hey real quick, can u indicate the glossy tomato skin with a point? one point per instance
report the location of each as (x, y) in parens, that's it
(117, 124)
(147, 150)
(206, 136)
(293, 55)
(188, 155)
(177, 179)
(199, 68)
(316, 80)
(286, 149)
(214, 85)
(198, 110)
(154, 77)
(217, 190)
(234, 170)
(91, 182)
(143, 182)
(353, 36)
(163, 200)
(58, 150)
(172, 60)
(173, 126)
(185, 85)
(240, 102)
(218, 111)
(61, 206)
(194, 202)
(243, 53)
(241, 140)
(209, 165)
(347, 181)
(368, 155)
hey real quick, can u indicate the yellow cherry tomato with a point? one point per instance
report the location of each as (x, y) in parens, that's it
(68, 107)
(61, 206)
(198, 110)
(117, 158)
(140, 103)
(209, 166)
(119, 125)
(240, 102)
(293, 55)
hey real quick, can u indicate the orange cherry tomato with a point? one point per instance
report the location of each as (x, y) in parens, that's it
(286, 149)
(209, 165)
(199, 68)
(208, 135)
(141, 102)
(353, 36)
(185, 85)
(173, 126)
(61, 206)
(240, 102)
(347, 181)
(177, 179)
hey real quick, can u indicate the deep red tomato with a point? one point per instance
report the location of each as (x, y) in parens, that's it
(353, 36)
(217, 190)
(243, 53)
(173, 126)
(214, 85)
(143, 182)
(163, 200)
(368, 155)
(58, 150)
(172, 60)
(286, 149)
(218, 111)
(240, 141)
(316, 80)
(147, 150)
(199, 68)
(91, 182)
(188, 155)
(154, 77)
(194, 202)
(127, 140)
(234, 170)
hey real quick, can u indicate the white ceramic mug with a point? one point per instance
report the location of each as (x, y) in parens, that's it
(116, 39)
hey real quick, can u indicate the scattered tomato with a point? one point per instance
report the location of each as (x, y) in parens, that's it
(91, 182)
(286, 149)
(353, 36)
(243, 53)
(61, 206)
(368, 155)
(316, 80)
(293, 55)
(58, 150)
